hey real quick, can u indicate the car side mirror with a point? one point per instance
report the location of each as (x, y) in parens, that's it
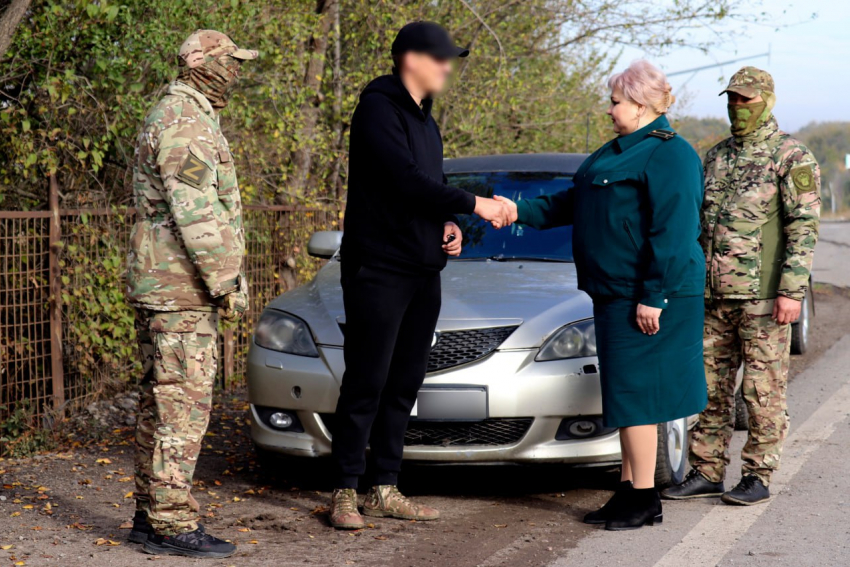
(324, 244)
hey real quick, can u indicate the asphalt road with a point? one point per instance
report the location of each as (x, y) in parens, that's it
(832, 254)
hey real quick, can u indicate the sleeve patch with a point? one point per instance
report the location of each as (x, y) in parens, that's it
(803, 178)
(193, 172)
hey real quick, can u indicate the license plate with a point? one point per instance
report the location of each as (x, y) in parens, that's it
(451, 403)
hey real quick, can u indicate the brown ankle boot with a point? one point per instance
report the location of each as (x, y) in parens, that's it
(387, 502)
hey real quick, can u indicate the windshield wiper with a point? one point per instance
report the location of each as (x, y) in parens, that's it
(503, 258)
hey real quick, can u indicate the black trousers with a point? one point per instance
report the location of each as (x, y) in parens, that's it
(389, 325)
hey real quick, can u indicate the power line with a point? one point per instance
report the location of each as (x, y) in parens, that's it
(703, 68)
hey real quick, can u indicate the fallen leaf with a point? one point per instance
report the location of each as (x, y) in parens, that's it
(244, 530)
(108, 542)
(28, 507)
(14, 514)
(318, 510)
(255, 542)
(500, 525)
(381, 537)
(125, 479)
(129, 494)
(237, 499)
(116, 505)
(128, 525)
(250, 491)
(217, 482)
(103, 461)
(5, 547)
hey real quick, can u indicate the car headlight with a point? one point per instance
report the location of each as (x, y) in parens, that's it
(571, 341)
(284, 333)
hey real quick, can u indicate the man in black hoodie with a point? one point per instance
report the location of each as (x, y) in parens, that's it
(399, 228)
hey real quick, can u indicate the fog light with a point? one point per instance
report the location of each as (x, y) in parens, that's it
(280, 420)
(582, 428)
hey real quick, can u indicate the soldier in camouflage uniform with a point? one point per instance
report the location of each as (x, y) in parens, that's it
(184, 273)
(759, 228)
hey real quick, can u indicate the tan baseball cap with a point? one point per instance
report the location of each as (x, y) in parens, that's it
(208, 45)
(750, 82)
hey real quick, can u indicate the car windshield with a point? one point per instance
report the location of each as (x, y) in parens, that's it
(482, 241)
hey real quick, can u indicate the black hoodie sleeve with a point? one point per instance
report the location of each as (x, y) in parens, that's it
(381, 129)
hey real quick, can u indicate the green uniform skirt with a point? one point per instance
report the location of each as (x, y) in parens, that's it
(650, 379)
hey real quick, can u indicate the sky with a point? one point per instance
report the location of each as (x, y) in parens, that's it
(810, 63)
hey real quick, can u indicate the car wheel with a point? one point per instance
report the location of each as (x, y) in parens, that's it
(800, 329)
(672, 459)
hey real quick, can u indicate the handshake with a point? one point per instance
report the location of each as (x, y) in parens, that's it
(498, 211)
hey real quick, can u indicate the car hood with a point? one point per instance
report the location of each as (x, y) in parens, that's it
(540, 297)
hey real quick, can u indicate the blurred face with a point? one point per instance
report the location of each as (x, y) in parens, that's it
(427, 72)
(625, 114)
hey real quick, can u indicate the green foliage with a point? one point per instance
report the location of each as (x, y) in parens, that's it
(20, 434)
(81, 74)
(702, 133)
(103, 337)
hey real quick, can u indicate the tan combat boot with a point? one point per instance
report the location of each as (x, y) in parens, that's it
(387, 502)
(344, 514)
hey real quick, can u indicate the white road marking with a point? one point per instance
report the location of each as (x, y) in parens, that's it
(712, 538)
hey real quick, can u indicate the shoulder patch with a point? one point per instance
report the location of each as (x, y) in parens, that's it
(803, 178)
(663, 134)
(193, 171)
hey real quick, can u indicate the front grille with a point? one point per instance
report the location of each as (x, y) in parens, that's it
(495, 431)
(454, 348)
(489, 432)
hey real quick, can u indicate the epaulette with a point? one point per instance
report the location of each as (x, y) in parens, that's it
(663, 134)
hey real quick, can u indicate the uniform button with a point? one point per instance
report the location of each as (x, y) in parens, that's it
(604, 181)
(665, 301)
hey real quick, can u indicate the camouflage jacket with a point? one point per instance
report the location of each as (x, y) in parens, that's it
(187, 246)
(760, 215)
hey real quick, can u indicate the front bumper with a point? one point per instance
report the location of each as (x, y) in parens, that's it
(517, 386)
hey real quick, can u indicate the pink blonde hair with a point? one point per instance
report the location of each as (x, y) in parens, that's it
(644, 84)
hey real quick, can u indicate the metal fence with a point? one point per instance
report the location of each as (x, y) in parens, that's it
(48, 261)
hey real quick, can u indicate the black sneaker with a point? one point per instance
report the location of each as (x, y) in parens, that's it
(694, 486)
(751, 490)
(142, 528)
(191, 544)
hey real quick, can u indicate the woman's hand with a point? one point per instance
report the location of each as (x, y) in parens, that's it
(511, 207)
(648, 319)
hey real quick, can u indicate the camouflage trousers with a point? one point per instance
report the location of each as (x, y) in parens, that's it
(742, 331)
(179, 351)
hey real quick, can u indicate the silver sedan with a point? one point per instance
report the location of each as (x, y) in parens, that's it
(513, 374)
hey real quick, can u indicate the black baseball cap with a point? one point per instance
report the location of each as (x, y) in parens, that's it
(427, 37)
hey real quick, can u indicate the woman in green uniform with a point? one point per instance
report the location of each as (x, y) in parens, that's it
(635, 215)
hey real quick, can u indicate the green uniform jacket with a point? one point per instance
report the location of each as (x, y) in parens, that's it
(760, 217)
(635, 215)
(188, 243)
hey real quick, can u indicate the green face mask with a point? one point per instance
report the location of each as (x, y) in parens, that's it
(746, 118)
